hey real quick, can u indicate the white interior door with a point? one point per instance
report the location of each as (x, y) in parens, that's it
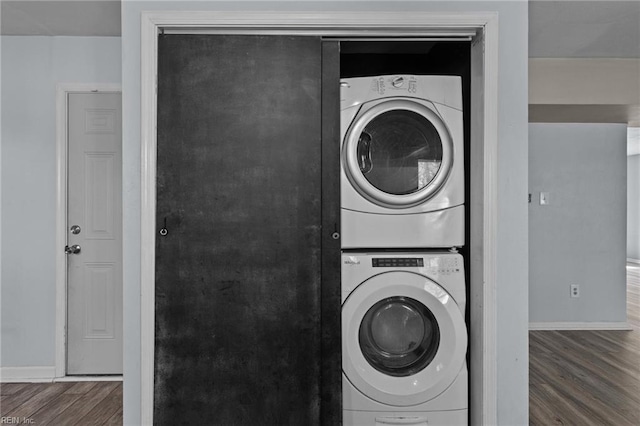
(94, 234)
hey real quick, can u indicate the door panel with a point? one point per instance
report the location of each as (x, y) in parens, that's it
(99, 168)
(94, 339)
(238, 272)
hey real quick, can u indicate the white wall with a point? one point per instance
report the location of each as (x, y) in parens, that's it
(512, 246)
(633, 207)
(579, 237)
(31, 68)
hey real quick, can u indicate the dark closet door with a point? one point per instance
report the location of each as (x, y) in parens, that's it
(238, 273)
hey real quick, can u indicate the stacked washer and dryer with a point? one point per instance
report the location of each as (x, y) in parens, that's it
(404, 336)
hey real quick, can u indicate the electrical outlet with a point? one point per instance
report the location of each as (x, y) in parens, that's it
(574, 290)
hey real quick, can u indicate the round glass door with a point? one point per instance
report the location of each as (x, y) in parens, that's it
(399, 336)
(398, 153)
(404, 339)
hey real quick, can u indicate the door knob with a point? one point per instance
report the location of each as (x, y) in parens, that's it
(75, 229)
(74, 249)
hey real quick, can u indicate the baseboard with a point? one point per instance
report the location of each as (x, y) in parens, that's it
(88, 379)
(636, 261)
(579, 326)
(46, 375)
(27, 374)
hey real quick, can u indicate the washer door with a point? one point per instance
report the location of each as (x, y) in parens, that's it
(398, 153)
(404, 338)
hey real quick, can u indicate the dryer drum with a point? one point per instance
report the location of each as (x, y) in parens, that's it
(399, 336)
(404, 152)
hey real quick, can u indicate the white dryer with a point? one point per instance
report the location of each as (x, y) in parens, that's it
(404, 339)
(402, 179)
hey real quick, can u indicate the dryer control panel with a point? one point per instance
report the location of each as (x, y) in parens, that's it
(407, 83)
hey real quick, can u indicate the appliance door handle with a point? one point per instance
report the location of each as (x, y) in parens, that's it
(414, 421)
(364, 153)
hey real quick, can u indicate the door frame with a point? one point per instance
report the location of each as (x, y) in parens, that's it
(483, 157)
(63, 90)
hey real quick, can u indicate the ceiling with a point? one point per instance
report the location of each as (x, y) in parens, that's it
(557, 29)
(584, 29)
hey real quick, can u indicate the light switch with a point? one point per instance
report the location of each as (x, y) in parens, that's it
(544, 199)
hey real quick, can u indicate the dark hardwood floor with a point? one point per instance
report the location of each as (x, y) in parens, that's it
(588, 377)
(65, 403)
(576, 378)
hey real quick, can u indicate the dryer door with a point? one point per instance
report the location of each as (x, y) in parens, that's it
(404, 338)
(398, 153)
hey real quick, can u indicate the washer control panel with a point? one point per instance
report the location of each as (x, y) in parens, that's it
(444, 269)
(397, 262)
(444, 265)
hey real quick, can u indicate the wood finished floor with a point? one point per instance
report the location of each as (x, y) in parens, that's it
(64, 404)
(576, 378)
(588, 377)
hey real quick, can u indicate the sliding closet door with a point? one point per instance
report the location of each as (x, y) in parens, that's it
(238, 249)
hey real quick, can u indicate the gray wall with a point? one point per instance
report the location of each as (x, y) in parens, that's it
(579, 238)
(31, 67)
(512, 232)
(633, 207)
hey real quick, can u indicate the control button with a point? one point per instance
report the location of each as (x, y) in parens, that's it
(397, 82)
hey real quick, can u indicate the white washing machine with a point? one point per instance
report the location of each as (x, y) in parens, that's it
(404, 339)
(402, 179)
